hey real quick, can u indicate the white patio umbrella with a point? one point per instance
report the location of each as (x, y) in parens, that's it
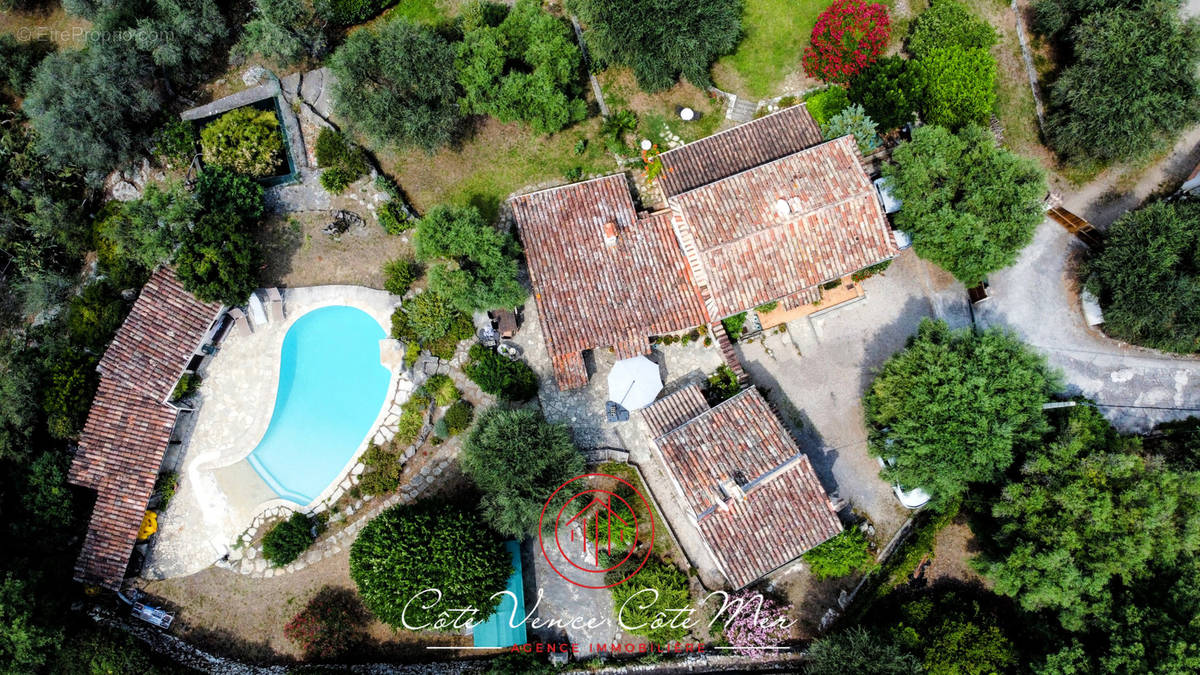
(633, 383)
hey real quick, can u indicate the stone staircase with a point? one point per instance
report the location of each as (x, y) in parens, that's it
(728, 353)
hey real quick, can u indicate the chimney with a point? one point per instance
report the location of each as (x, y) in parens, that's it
(728, 491)
(610, 234)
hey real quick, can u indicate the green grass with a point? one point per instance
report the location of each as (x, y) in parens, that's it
(775, 35)
(425, 12)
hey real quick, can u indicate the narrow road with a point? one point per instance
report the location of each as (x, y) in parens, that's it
(1037, 298)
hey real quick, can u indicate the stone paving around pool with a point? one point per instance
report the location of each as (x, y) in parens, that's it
(219, 494)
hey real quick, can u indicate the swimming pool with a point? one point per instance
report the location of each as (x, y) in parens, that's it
(331, 389)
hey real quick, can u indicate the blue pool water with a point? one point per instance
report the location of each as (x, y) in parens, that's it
(331, 389)
(498, 630)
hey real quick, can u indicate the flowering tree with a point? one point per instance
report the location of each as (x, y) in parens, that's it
(766, 627)
(330, 625)
(848, 37)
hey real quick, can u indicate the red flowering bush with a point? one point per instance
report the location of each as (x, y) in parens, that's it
(330, 625)
(849, 36)
(767, 626)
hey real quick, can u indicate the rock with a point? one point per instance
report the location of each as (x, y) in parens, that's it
(343, 222)
(357, 470)
(251, 553)
(387, 434)
(254, 76)
(125, 191)
(391, 420)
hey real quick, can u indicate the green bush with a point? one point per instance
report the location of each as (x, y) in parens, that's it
(381, 474)
(431, 544)
(68, 396)
(458, 417)
(343, 161)
(722, 384)
(287, 540)
(888, 91)
(846, 553)
(826, 103)
(411, 353)
(673, 591)
(187, 385)
(393, 217)
(335, 180)
(176, 141)
(245, 140)
(484, 275)
(765, 308)
(350, 12)
(733, 326)
(872, 270)
(853, 121)
(399, 275)
(165, 487)
(496, 374)
(948, 23)
(95, 315)
(409, 427)
(442, 388)
(959, 86)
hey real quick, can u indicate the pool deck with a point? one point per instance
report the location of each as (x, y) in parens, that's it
(219, 493)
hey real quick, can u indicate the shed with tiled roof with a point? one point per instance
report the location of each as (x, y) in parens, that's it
(754, 494)
(129, 425)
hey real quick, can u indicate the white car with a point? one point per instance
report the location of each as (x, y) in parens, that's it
(911, 499)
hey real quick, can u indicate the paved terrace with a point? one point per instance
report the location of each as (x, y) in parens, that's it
(219, 493)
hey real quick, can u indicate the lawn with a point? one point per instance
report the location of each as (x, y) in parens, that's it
(775, 35)
(657, 113)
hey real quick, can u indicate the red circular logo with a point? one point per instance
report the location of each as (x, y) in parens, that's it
(595, 531)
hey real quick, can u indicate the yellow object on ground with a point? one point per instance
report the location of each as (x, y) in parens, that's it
(149, 525)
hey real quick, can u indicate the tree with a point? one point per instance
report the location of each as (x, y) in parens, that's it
(178, 33)
(955, 407)
(410, 548)
(284, 30)
(1132, 87)
(287, 539)
(483, 274)
(18, 60)
(332, 624)
(958, 86)
(18, 399)
(848, 36)
(1051, 17)
(845, 554)
(526, 68)
(245, 140)
(888, 91)
(91, 108)
(499, 375)
(146, 231)
(1147, 278)
(855, 650)
(661, 39)
(947, 23)
(24, 641)
(217, 257)
(350, 12)
(853, 121)
(395, 84)
(518, 460)
(1088, 510)
(969, 205)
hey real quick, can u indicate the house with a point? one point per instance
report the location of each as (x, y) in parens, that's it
(764, 212)
(129, 425)
(754, 495)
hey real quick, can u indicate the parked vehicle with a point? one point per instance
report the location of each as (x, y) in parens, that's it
(910, 499)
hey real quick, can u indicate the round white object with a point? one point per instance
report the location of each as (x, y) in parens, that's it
(687, 114)
(646, 144)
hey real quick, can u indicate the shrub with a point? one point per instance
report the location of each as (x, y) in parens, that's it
(457, 418)
(431, 544)
(409, 427)
(18, 61)
(381, 474)
(335, 180)
(526, 68)
(830, 285)
(868, 272)
(399, 275)
(947, 23)
(176, 141)
(68, 396)
(332, 624)
(733, 326)
(186, 386)
(245, 140)
(959, 86)
(573, 174)
(485, 274)
(848, 37)
(757, 626)
(765, 308)
(411, 353)
(284, 542)
(95, 315)
(350, 12)
(518, 460)
(662, 40)
(217, 258)
(722, 384)
(165, 487)
(1146, 277)
(846, 553)
(853, 121)
(283, 30)
(496, 374)
(854, 650)
(826, 103)
(342, 160)
(888, 91)
(673, 591)
(442, 388)
(393, 217)
(430, 316)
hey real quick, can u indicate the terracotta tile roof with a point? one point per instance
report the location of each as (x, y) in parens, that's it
(751, 253)
(592, 293)
(129, 425)
(755, 495)
(670, 412)
(742, 147)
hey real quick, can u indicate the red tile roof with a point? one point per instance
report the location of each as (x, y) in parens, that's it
(757, 501)
(735, 150)
(591, 293)
(129, 425)
(723, 247)
(754, 251)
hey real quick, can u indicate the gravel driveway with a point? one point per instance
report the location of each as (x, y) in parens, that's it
(1037, 298)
